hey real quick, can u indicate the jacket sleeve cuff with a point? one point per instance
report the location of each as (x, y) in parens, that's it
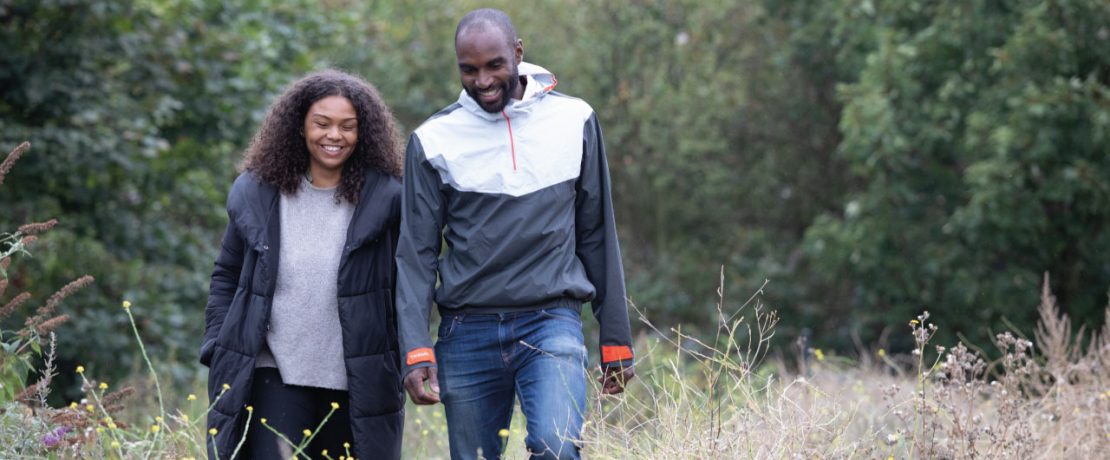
(416, 359)
(405, 370)
(626, 364)
(420, 355)
(616, 355)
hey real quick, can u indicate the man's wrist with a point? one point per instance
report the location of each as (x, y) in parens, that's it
(622, 364)
(406, 370)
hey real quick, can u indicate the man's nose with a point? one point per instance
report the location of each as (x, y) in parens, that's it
(485, 79)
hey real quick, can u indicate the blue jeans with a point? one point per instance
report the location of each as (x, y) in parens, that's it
(485, 360)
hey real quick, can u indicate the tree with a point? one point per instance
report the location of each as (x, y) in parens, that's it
(978, 129)
(139, 110)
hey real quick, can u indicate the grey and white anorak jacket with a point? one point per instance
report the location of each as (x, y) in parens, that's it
(522, 199)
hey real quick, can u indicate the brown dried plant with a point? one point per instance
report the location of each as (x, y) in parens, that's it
(10, 160)
(1043, 400)
(45, 320)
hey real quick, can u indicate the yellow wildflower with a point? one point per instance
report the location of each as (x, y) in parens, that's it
(820, 355)
(424, 433)
(346, 445)
(324, 452)
(89, 407)
(503, 433)
(80, 369)
(250, 408)
(335, 405)
(263, 420)
(192, 397)
(115, 444)
(126, 304)
(882, 352)
(158, 419)
(226, 387)
(73, 405)
(100, 430)
(913, 322)
(212, 431)
(103, 386)
(155, 428)
(185, 418)
(307, 432)
(112, 425)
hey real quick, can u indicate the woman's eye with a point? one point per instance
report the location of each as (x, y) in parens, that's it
(321, 125)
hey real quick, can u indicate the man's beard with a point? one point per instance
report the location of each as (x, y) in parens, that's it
(507, 91)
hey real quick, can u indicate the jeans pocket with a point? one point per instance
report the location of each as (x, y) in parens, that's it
(562, 314)
(447, 326)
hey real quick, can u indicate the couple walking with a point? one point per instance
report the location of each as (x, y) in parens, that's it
(323, 288)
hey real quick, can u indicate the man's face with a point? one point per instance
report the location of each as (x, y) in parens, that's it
(488, 67)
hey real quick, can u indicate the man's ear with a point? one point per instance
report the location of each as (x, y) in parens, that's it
(518, 51)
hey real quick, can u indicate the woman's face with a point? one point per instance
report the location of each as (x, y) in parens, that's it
(331, 131)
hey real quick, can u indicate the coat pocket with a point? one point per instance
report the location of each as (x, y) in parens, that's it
(374, 384)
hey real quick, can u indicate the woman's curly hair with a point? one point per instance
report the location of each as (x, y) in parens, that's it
(278, 154)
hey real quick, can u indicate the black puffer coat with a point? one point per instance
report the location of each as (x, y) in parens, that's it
(242, 292)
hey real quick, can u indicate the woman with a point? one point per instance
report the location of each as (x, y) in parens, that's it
(300, 308)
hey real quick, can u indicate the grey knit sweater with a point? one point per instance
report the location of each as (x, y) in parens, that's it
(305, 340)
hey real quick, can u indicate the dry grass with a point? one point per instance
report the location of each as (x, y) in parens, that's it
(710, 403)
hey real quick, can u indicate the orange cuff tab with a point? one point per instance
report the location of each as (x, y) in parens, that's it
(421, 355)
(610, 353)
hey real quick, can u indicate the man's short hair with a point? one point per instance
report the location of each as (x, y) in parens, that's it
(485, 18)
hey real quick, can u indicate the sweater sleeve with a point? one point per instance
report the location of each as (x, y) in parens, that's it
(599, 250)
(422, 216)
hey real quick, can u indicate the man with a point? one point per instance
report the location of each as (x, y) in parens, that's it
(513, 176)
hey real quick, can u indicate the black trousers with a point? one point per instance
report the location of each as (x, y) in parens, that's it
(291, 410)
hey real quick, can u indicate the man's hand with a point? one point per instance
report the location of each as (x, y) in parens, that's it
(414, 384)
(613, 379)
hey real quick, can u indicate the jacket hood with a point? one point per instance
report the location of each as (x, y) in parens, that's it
(540, 81)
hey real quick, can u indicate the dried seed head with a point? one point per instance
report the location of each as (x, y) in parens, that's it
(13, 304)
(51, 324)
(64, 292)
(12, 157)
(37, 227)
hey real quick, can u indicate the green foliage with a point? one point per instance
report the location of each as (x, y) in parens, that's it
(138, 111)
(978, 131)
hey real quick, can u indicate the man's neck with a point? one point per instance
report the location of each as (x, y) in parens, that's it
(519, 93)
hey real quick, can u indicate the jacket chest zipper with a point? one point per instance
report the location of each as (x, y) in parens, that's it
(512, 144)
